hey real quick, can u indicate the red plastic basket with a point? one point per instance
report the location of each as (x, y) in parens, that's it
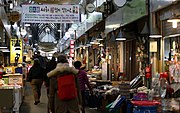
(145, 103)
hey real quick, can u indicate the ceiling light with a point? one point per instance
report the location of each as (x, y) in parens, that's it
(27, 25)
(174, 35)
(92, 40)
(71, 30)
(74, 26)
(174, 21)
(23, 32)
(120, 39)
(99, 37)
(113, 26)
(96, 43)
(155, 36)
(67, 34)
(3, 47)
(120, 36)
(155, 33)
(81, 45)
(59, 30)
(101, 45)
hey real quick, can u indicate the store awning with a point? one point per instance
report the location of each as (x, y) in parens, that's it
(131, 12)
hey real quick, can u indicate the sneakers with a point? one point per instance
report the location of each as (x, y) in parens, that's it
(36, 102)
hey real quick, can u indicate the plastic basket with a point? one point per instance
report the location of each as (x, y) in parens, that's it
(145, 103)
(145, 109)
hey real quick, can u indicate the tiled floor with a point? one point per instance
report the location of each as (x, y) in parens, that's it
(29, 107)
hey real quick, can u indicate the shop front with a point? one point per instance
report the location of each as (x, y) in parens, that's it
(125, 27)
(164, 52)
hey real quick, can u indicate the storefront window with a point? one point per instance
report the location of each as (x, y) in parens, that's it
(172, 57)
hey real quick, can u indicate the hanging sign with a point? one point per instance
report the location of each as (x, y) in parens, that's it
(58, 1)
(90, 8)
(16, 50)
(50, 13)
(71, 48)
(153, 46)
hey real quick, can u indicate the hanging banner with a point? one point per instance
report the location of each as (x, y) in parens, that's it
(58, 1)
(72, 48)
(50, 13)
(15, 50)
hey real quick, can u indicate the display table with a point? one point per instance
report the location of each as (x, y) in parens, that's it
(11, 98)
(11, 93)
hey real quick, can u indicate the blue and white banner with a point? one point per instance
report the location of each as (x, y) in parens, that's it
(50, 13)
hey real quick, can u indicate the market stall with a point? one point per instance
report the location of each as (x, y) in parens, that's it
(11, 93)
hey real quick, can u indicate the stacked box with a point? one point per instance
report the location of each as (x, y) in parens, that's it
(125, 89)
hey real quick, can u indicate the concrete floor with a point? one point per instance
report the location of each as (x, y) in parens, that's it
(28, 102)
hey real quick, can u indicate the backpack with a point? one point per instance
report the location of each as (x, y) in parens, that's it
(67, 87)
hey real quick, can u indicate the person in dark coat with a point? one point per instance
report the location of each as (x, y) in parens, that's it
(50, 66)
(41, 59)
(36, 77)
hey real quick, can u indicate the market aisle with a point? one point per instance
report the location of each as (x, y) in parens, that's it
(28, 102)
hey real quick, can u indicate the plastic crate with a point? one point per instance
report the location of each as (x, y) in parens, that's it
(145, 109)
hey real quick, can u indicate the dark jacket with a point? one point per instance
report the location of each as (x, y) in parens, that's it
(51, 65)
(56, 104)
(36, 72)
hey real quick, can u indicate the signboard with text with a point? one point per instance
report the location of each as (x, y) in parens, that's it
(50, 13)
(16, 51)
(72, 48)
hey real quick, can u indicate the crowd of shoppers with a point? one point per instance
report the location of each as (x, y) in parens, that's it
(49, 75)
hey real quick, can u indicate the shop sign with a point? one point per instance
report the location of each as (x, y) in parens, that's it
(90, 8)
(57, 1)
(131, 11)
(15, 79)
(159, 4)
(104, 71)
(15, 52)
(153, 46)
(50, 13)
(72, 48)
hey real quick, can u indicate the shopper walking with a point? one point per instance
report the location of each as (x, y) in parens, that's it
(41, 59)
(50, 66)
(35, 77)
(83, 80)
(57, 103)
